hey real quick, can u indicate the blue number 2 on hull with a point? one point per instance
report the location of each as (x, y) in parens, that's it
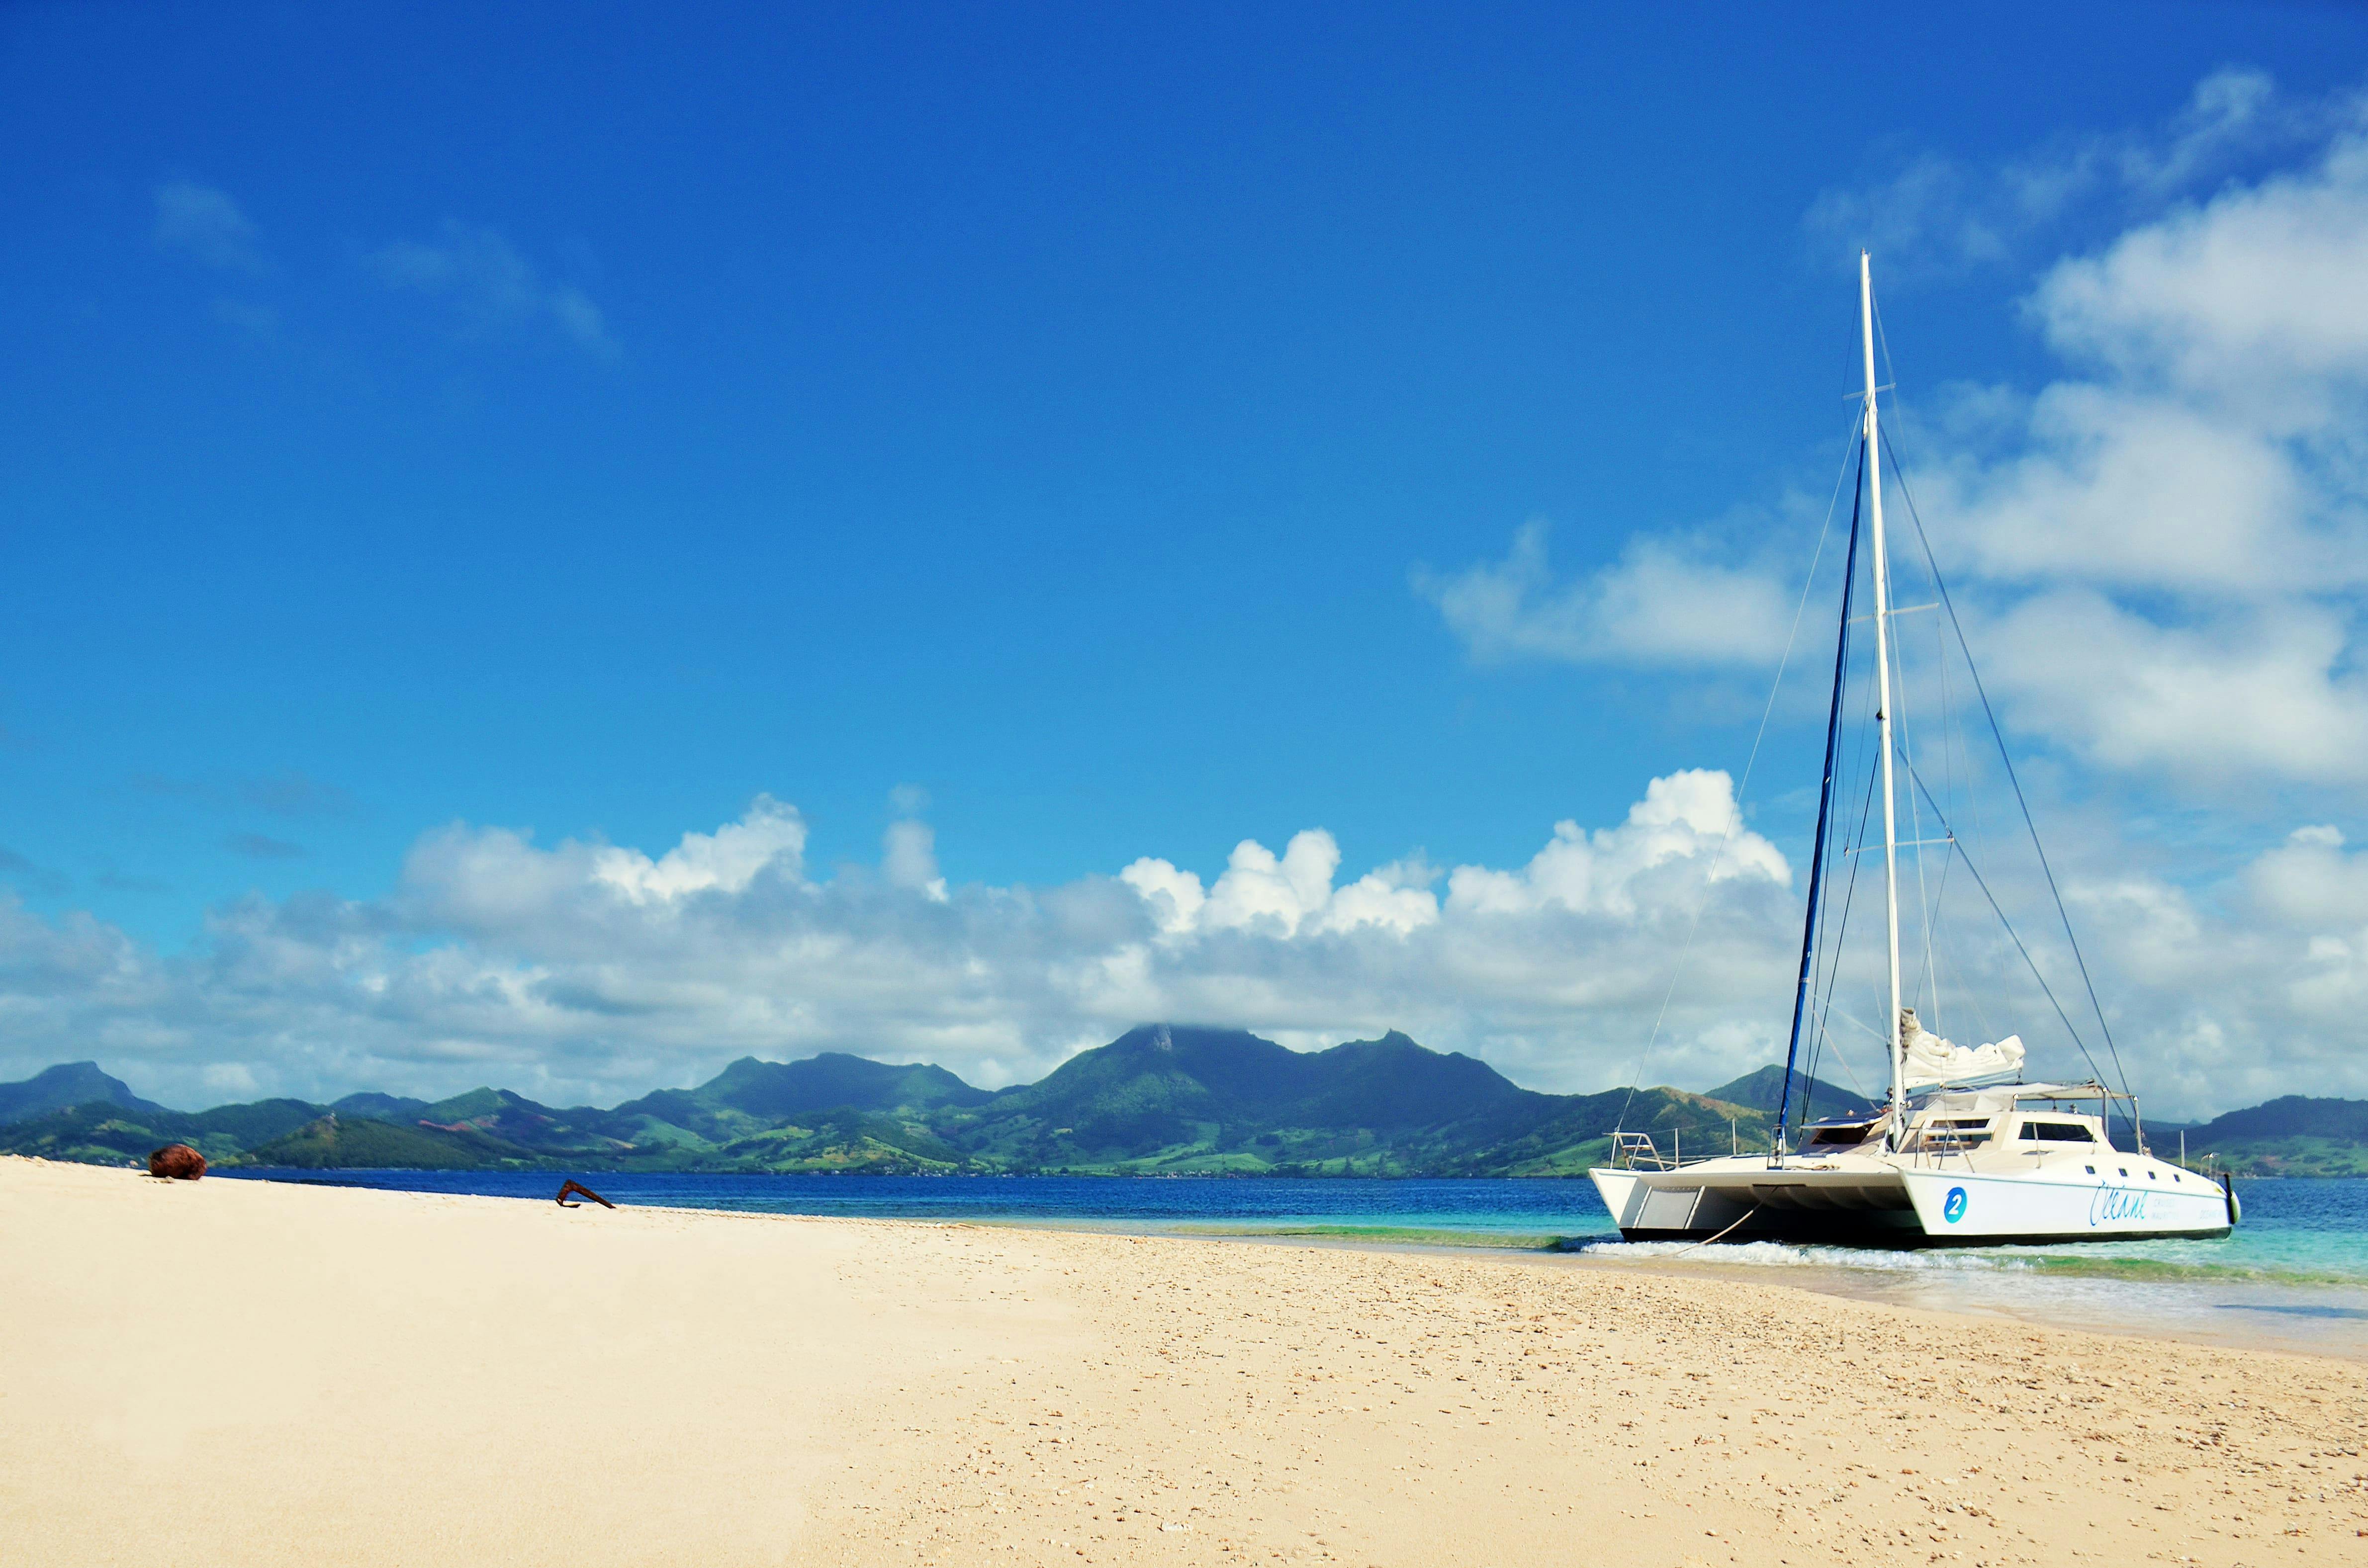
(1953, 1208)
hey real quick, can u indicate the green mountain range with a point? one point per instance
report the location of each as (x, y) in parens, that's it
(1158, 1100)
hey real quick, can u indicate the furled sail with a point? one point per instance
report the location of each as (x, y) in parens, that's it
(1932, 1061)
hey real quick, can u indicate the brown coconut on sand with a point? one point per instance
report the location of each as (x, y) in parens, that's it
(176, 1162)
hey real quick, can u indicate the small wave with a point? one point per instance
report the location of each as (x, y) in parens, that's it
(1783, 1255)
(1788, 1255)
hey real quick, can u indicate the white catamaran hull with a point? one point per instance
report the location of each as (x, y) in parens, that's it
(1885, 1200)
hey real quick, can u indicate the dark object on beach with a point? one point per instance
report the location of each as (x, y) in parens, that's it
(566, 1187)
(176, 1162)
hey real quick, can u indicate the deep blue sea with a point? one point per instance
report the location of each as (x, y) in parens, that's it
(2293, 1276)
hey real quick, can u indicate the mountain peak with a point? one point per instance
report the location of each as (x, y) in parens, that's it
(1764, 1090)
(67, 1084)
(830, 1080)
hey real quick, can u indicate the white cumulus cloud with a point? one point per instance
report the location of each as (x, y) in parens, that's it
(772, 835)
(587, 971)
(1687, 816)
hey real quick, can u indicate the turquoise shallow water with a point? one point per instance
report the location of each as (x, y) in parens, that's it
(2293, 1276)
(1518, 1215)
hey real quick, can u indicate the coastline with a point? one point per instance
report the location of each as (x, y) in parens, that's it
(2286, 1282)
(269, 1373)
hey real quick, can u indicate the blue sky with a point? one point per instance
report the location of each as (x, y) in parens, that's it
(1054, 431)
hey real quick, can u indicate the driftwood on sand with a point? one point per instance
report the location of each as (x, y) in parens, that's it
(580, 1190)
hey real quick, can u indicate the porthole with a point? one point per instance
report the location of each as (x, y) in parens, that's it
(2124, 1169)
(2091, 1169)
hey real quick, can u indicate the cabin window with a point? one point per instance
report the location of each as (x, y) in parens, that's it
(2055, 1132)
(2150, 1175)
(1838, 1135)
(2090, 1169)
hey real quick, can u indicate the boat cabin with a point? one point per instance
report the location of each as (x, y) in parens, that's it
(1947, 1131)
(2019, 1118)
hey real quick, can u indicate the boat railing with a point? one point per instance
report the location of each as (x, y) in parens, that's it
(1636, 1151)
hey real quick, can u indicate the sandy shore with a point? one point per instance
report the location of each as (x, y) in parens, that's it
(241, 1372)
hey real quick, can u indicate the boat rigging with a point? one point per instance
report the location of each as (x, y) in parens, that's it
(1962, 1150)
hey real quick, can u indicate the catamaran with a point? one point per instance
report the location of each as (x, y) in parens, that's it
(1962, 1151)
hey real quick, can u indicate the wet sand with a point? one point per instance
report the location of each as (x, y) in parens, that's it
(264, 1374)
(2309, 1320)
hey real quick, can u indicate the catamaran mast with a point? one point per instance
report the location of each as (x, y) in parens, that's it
(1824, 820)
(1883, 699)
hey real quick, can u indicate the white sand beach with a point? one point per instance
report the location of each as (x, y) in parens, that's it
(243, 1372)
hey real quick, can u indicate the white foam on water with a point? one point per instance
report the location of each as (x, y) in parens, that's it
(1786, 1255)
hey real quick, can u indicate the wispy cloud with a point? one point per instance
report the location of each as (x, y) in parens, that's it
(256, 846)
(290, 793)
(2190, 500)
(23, 871)
(261, 321)
(1928, 213)
(2164, 548)
(205, 223)
(492, 289)
(1666, 600)
(296, 795)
